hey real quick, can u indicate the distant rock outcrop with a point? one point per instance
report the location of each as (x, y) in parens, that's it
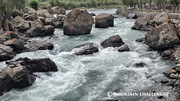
(78, 22)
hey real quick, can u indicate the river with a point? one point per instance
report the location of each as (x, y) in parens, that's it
(95, 77)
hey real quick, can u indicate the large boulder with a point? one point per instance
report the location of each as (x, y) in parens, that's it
(15, 76)
(58, 10)
(164, 36)
(16, 44)
(85, 49)
(160, 18)
(113, 41)
(124, 48)
(6, 52)
(143, 23)
(104, 20)
(78, 22)
(36, 65)
(35, 45)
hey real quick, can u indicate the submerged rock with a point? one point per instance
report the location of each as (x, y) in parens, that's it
(163, 37)
(104, 20)
(78, 22)
(140, 64)
(124, 48)
(86, 49)
(113, 41)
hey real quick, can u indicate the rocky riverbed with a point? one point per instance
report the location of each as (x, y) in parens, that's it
(96, 63)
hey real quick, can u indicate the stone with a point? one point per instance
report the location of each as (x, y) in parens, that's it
(36, 65)
(78, 22)
(44, 13)
(85, 49)
(143, 23)
(93, 14)
(7, 36)
(164, 81)
(16, 44)
(124, 48)
(6, 53)
(31, 17)
(16, 12)
(160, 18)
(163, 37)
(58, 10)
(169, 72)
(173, 76)
(141, 40)
(104, 20)
(113, 41)
(35, 45)
(29, 10)
(140, 64)
(132, 16)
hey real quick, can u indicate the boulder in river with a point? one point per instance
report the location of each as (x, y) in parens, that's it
(15, 76)
(86, 49)
(143, 23)
(78, 22)
(104, 20)
(124, 48)
(36, 65)
(163, 37)
(113, 41)
(35, 45)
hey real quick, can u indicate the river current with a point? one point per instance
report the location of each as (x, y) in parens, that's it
(96, 77)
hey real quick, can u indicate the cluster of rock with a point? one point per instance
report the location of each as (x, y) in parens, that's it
(26, 24)
(90, 48)
(19, 73)
(79, 22)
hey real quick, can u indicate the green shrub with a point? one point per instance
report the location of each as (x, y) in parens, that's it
(45, 4)
(34, 4)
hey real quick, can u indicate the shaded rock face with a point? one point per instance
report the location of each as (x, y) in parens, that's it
(104, 20)
(163, 37)
(132, 16)
(18, 74)
(113, 41)
(7, 36)
(35, 45)
(6, 52)
(58, 10)
(86, 49)
(78, 22)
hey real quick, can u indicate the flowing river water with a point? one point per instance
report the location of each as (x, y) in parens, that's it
(95, 77)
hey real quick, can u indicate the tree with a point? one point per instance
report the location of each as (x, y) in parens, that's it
(6, 8)
(175, 4)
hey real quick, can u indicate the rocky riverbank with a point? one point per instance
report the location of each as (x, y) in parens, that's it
(163, 36)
